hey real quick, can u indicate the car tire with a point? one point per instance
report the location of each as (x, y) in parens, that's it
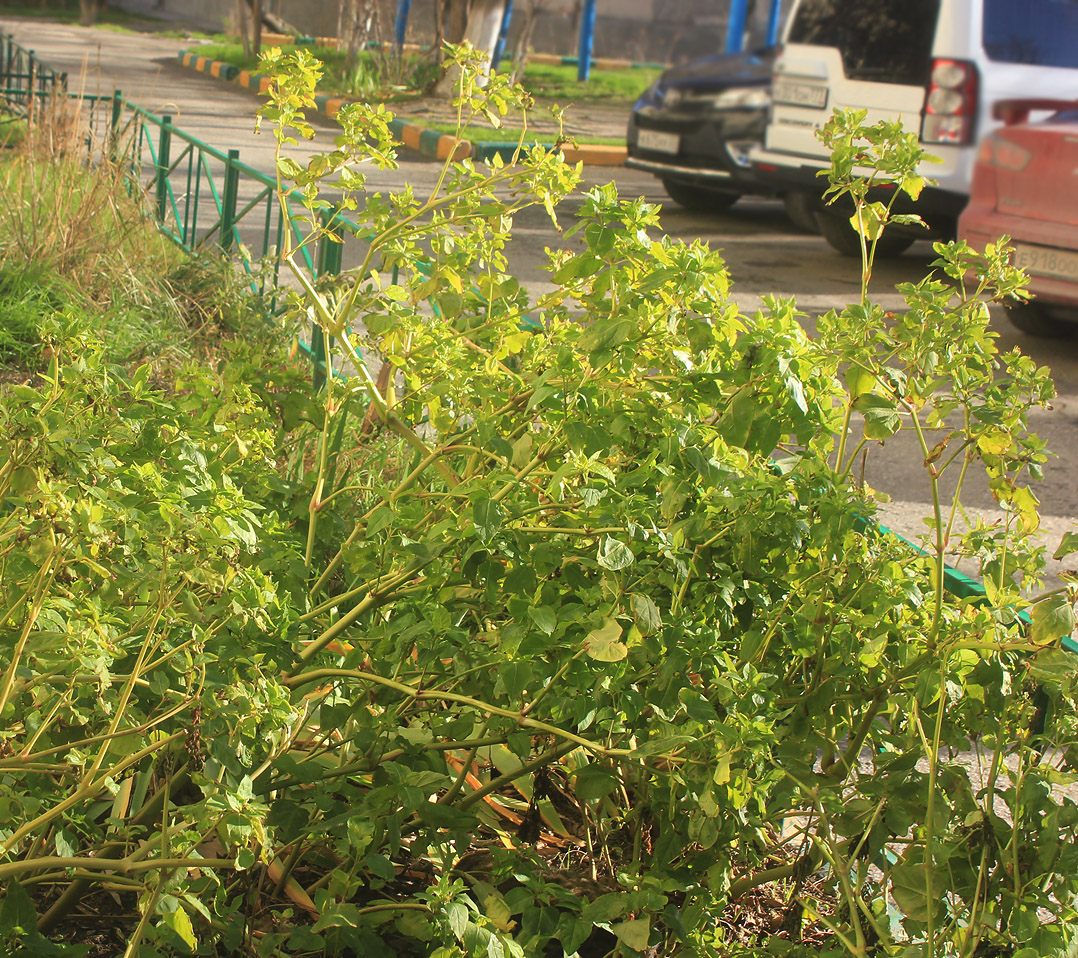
(1033, 319)
(801, 209)
(698, 199)
(843, 237)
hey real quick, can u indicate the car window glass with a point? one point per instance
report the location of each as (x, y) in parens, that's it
(1044, 32)
(887, 41)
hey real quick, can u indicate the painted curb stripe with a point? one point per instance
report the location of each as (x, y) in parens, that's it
(596, 155)
(429, 143)
(451, 148)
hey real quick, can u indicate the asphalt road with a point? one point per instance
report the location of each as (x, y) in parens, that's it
(762, 251)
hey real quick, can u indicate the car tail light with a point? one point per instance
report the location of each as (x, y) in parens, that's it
(950, 103)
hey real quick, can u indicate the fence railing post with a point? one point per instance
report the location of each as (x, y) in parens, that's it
(328, 263)
(229, 199)
(164, 149)
(31, 73)
(114, 124)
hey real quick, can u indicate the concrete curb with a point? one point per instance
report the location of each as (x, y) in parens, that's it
(428, 143)
(555, 59)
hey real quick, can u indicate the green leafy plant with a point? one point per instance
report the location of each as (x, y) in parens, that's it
(555, 627)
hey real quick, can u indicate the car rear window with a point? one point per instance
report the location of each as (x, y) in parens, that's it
(1044, 32)
(886, 41)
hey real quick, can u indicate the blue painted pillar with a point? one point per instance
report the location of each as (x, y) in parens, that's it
(735, 28)
(499, 47)
(773, 23)
(587, 36)
(400, 27)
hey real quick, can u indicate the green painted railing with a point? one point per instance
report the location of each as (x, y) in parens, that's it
(24, 79)
(204, 198)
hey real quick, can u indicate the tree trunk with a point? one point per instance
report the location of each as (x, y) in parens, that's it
(241, 26)
(439, 30)
(90, 10)
(256, 43)
(357, 24)
(484, 24)
(520, 50)
(456, 20)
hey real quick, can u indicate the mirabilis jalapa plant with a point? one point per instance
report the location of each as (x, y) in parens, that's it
(581, 638)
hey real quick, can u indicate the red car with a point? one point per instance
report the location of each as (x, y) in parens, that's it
(1025, 186)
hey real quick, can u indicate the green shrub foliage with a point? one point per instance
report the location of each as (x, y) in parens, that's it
(575, 642)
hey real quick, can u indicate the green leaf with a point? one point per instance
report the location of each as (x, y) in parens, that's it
(1068, 545)
(646, 614)
(594, 782)
(604, 642)
(859, 380)
(1052, 618)
(180, 922)
(873, 651)
(615, 555)
(488, 517)
(17, 912)
(65, 847)
(633, 934)
(458, 918)
(515, 677)
(871, 221)
(912, 185)
(881, 417)
(1054, 666)
(908, 888)
(606, 907)
(445, 816)
(544, 617)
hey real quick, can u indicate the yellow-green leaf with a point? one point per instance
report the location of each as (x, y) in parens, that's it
(604, 643)
(633, 934)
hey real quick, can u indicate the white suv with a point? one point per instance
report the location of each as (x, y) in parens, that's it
(938, 65)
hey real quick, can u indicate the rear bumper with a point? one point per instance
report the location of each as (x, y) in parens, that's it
(712, 148)
(714, 178)
(785, 173)
(980, 226)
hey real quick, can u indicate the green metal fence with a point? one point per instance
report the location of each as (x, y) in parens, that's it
(207, 199)
(24, 79)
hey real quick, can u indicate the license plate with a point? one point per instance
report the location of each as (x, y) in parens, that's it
(1045, 261)
(799, 94)
(658, 142)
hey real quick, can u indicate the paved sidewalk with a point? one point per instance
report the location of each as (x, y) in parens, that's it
(146, 69)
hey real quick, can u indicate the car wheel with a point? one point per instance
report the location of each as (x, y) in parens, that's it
(801, 208)
(698, 199)
(843, 237)
(1033, 319)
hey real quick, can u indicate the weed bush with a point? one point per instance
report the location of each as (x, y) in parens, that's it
(571, 644)
(77, 251)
